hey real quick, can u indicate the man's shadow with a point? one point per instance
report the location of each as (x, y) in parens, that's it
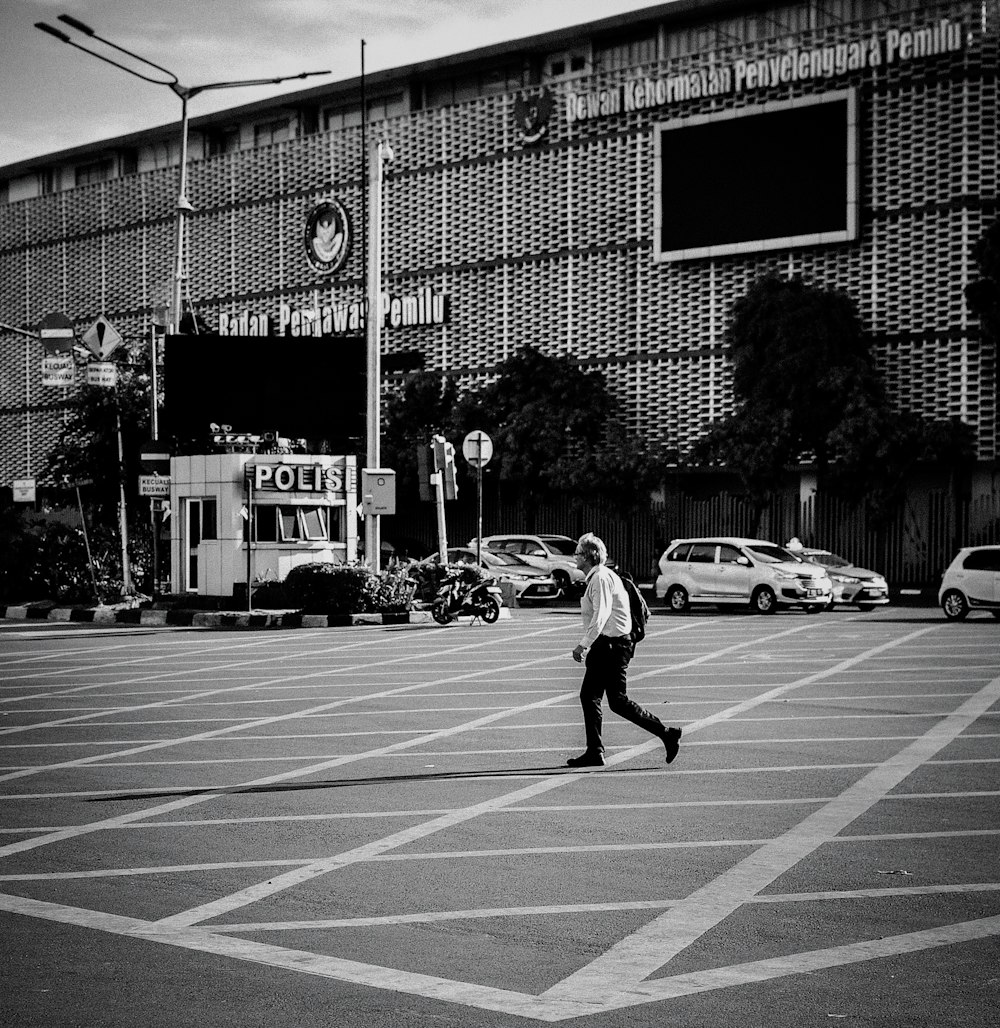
(344, 783)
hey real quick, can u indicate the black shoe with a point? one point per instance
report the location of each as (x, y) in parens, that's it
(672, 741)
(586, 760)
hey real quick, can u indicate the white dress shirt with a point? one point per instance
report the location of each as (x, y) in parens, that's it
(604, 606)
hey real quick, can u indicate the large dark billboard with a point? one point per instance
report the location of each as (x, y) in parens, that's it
(312, 388)
(767, 177)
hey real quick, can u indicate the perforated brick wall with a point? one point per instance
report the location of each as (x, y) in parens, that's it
(553, 245)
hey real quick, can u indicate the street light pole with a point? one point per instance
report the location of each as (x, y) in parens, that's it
(185, 93)
(381, 154)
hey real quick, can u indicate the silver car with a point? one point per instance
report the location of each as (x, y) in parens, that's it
(852, 586)
(529, 583)
(732, 571)
(552, 553)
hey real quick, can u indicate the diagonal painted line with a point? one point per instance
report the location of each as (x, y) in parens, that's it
(203, 797)
(633, 959)
(539, 1008)
(807, 962)
(379, 847)
(183, 672)
(241, 726)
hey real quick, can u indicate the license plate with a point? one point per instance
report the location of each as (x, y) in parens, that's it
(812, 592)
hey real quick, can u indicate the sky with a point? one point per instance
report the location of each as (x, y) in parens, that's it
(53, 96)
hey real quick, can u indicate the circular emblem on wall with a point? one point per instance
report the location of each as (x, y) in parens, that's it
(532, 110)
(327, 236)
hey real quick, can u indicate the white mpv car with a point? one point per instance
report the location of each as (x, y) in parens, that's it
(731, 571)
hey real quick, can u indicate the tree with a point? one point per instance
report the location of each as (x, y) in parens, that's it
(88, 444)
(555, 428)
(983, 295)
(880, 450)
(424, 407)
(546, 415)
(799, 361)
(799, 357)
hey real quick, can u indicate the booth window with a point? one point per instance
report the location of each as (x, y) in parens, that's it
(314, 523)
(290, 524)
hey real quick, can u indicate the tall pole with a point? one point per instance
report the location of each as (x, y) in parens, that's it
(381, 151)
(127, 589)
(182, 208)
(479, 498)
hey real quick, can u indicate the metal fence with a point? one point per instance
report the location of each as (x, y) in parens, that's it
(912, 549)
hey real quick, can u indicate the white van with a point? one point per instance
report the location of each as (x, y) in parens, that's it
(731, 571)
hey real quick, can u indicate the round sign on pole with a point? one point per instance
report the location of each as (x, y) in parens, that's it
(56, 333)
(477, 448)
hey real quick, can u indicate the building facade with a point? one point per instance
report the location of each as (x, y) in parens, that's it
(532, 200)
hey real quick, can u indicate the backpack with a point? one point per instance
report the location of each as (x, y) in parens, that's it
(637, 608)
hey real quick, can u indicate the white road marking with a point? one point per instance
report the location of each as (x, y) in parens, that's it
(203, 797)
(551, 1006)
(245, 725)
(253, 894)
(622, 969)
(541, 1008)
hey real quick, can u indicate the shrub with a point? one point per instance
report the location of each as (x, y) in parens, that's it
(390, 592)
(46, 558)
(328, 588)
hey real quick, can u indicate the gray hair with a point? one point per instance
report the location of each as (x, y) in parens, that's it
(592, 548)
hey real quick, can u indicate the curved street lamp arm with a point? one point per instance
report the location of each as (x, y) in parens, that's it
(195, 90)
(88, 31)
(107, 60)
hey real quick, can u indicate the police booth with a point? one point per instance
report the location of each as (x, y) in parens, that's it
(249, 517)
(263, 434)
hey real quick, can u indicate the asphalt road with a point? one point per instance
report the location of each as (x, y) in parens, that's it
(374, 826)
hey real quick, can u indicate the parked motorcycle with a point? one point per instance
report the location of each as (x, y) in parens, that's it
(457, 597)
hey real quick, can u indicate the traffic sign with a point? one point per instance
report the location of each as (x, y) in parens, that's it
(58, 370)
(154, 456)
(24, 490)
(102, 373)
(477, 448)
(56, 333)
(102, 338)
(154, 485)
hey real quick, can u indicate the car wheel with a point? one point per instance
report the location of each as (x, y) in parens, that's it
(763, 600)
(954, 605)
(676, 599)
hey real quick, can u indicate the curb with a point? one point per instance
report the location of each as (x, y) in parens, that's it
(210, 619)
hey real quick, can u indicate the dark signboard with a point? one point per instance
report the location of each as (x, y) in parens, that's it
(308, 388)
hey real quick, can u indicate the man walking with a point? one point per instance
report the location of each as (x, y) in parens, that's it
(608, 648)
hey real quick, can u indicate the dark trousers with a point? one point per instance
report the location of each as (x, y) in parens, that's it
(607, 664)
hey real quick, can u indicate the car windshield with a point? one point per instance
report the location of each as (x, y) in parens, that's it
(771, 554)
(567, 547)
(497, 557)
(829, 560)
